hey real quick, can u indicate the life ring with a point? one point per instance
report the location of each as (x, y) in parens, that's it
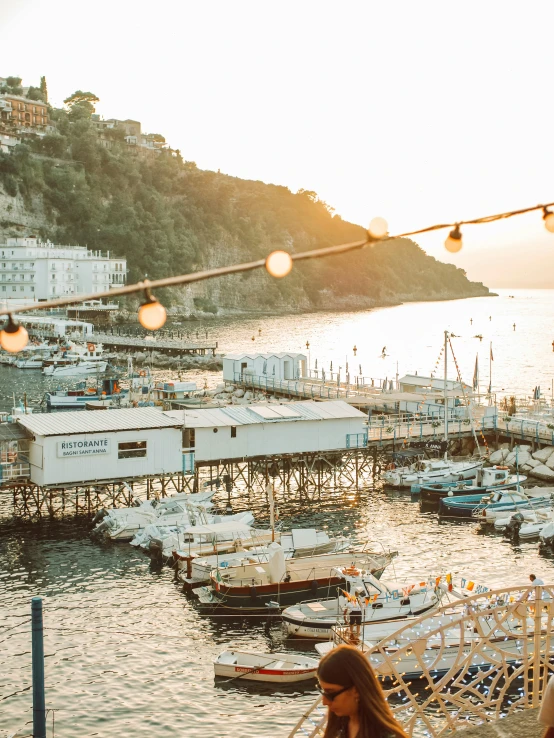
(504, 468)
(142, 374)
(391, 466)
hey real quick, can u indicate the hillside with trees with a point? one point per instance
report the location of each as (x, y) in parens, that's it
(167, 217)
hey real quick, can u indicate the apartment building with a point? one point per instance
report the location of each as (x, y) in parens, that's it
(23, 113)
(34, 270)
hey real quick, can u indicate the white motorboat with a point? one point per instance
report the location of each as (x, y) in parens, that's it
(78, 369)
(431, 471)
(525, 524)
(503, 502)
(161, 540)
(194, 571)
(372, 600)
(274, 667)
(123, 523)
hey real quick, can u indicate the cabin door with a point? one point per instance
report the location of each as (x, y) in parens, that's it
(287, 370)
(243, 366)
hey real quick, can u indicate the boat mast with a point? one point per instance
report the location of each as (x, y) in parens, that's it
(446, 391)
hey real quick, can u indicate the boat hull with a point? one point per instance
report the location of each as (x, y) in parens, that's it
(261, 598)
(321, 629)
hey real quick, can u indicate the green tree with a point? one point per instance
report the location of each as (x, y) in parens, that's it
(13, 86)
(81, 105)
(44, 89)
(35, 93)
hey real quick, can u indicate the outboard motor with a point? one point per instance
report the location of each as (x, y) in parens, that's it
(100, 515)
(547, 537)
(514, 526)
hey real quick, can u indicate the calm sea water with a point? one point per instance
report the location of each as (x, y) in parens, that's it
(127, 650)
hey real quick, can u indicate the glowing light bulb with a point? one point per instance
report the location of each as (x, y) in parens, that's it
(152, 315)
(548, 217)
(378, 228)
(13, 337)
(278, 264)
(453, 243)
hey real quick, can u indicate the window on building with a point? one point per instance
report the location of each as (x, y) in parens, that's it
(22, 288)
(131, 449)
(14, 288)
(3, 288)
(189, 438)
(32, 289)
(233, 431)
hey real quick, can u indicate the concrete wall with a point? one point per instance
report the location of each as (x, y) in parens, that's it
(286, 367)
(268, 439)
(49, 466)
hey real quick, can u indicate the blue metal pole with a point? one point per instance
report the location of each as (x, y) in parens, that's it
(39, 699)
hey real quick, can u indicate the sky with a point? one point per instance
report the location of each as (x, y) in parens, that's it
(421, 113)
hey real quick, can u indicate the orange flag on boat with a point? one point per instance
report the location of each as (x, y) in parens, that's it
(470, 585)
(449, 582)
(437, 581)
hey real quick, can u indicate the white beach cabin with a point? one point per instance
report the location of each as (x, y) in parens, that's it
(248, 431)
(80, 447)
(274, 366)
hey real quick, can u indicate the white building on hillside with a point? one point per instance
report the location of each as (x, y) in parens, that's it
(34, 270)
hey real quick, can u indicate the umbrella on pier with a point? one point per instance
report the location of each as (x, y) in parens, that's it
(323, 376)
(360, 370)
(384, 387)
(316, 364)
(331, 369)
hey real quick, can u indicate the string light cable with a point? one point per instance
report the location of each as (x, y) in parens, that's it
(152, 314)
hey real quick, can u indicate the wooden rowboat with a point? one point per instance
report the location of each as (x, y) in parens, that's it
(269, 667)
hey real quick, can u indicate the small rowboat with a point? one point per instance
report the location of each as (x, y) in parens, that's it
(270, 667)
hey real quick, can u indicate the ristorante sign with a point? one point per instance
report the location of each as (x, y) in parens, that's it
(84, 447)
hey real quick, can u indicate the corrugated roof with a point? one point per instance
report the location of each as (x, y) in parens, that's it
(64, 424)
(280, 355)
(246, 414)
(12, 432)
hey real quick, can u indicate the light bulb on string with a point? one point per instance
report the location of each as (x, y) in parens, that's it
(548, 217)
(378, 228)
(453, 243)
(13, 337)
(279, 264)
(151, 314)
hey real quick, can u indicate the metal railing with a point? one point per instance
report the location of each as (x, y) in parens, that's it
(299, 387)
(8, 472)
(475, 662)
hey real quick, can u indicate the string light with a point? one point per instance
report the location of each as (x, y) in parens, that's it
(279, 264)
(548, 217)
(453, 243)
(152, 314)
(378, 228)
(13, 337)
(285, 262)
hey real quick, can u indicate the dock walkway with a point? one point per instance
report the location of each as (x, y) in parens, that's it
(170, 346)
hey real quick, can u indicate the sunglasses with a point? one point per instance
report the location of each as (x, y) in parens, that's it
(330, 695)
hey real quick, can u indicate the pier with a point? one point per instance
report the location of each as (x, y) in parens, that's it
(168, 346)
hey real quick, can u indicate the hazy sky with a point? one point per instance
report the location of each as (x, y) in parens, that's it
(419, 112)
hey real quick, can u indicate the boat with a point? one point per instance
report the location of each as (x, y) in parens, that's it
(487, 480)
(500, 503)
(430, 471)
(79, 368)
(77, 398)
(281, 668)
(124, 523)
(277, 583)
(376, 601)
(524, 524)
(194, 570)
(160, 540)
(441, 649)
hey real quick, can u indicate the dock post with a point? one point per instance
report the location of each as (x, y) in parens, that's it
(39, 700)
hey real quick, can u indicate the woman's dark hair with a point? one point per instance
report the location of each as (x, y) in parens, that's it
(347, 666)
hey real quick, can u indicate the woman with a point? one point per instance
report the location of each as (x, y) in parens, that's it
(356, 705)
